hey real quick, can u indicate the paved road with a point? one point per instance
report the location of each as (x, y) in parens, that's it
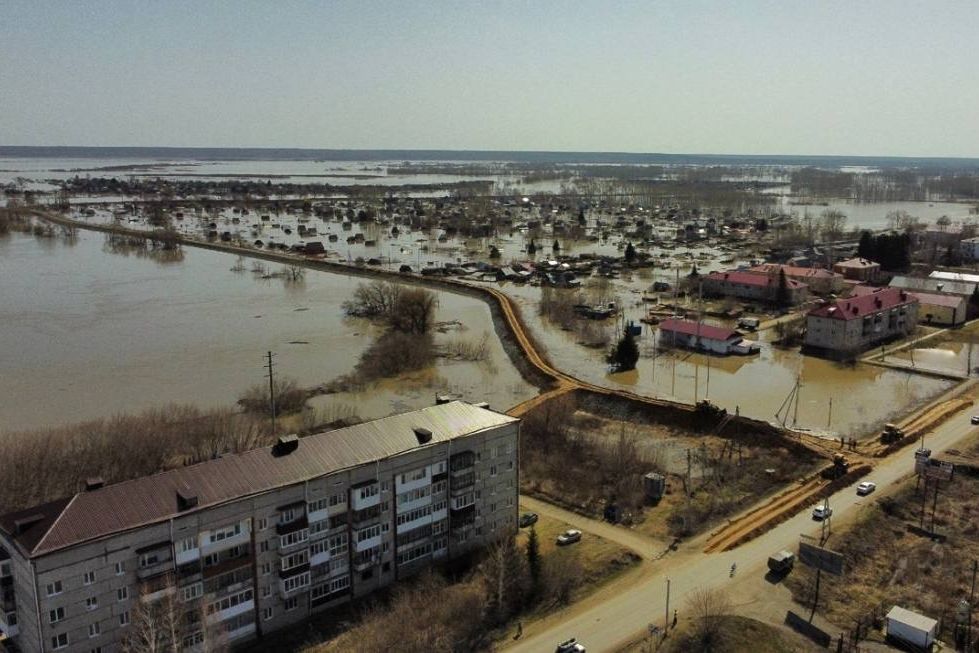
(619, 617)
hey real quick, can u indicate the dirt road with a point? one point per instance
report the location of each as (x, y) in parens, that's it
(623, 615)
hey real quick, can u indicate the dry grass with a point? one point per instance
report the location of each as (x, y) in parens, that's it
(737, 634)
(888, 565)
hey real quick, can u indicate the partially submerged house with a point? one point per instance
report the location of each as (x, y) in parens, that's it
(704, 337)
(753, 286)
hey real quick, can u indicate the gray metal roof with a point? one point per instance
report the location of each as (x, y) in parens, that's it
(928, 284)
(151, 499)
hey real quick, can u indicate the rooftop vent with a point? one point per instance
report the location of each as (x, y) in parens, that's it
(424, 435)
(285, 445)
(22, 524)
(186, 499)
(94, 483)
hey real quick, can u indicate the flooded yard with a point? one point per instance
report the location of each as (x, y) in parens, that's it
(88, 333)
(759, 386)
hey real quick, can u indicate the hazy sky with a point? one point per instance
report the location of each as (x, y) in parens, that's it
(785, 77)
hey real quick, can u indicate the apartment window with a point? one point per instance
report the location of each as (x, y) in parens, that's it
(292, 603)
(89, 577)
(124, 618)
(225, 533)
(296, 582)
(338, 545)
(122, 593)
(188, 544)
(194, 639)
(91, 603)
(369, 532)
(266, 568)
(289, 515)
(192, 592)
(263, 523)
(384, 486)
(338, 499)
(267, 614)
(291, 539)
(55, 588)
(97, 649)
(509, 502)
(438, 487)
(59, 641)
(211, 559)
(229, 602)
(266, 591)
(56, 615)
(319, 504)
(4, 569)
(295, 560)
(368, 491)
(263, 546)
(337, 564)
(492, 470)
(318, 547)
(509, 464)
(149, 559)
(414, 475)
(94, 629)
(120, 568)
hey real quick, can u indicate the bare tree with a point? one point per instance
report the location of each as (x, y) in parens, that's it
(414, 311)
(708, 607)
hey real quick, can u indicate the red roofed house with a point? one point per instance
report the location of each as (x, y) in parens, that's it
(819, 280)
(846, 327)
(704, 337)
(752, 286)
(933, 307)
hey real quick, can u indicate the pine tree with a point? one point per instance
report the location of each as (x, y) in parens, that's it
(782, 296)
(556, 246)
(625, 354)
(630, 253)
(534, 559)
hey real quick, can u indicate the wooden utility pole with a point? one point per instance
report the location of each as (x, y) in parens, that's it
(269, 366)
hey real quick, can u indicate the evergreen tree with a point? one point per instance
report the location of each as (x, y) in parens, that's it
(494, 252)
(782, 296)
(531, 248)
(630, 253)
(556, 246)
(866, 247)
(534, 559)
(625, 354)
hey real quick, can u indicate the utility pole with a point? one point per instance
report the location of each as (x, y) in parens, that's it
(270, 366)
(666, 622)
(829, 419)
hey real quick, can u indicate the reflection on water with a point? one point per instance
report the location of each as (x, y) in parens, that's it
(88, 334)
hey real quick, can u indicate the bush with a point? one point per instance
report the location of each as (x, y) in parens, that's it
(392, 354)
(289, 398)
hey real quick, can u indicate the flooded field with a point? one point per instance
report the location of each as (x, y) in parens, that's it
(88, 333)
(758, 386)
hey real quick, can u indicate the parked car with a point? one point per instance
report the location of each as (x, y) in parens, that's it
(866, 488)
(570, 646)
(527, 519)
(821, 512)
(569, 536)
(975, 419)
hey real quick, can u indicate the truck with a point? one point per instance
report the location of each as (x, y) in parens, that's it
(781, 562)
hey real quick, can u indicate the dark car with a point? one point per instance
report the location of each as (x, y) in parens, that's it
(527, 519)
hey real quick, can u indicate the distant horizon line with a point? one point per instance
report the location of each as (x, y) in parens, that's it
(552, 156)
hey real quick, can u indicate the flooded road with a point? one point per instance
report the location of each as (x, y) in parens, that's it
(87, 333)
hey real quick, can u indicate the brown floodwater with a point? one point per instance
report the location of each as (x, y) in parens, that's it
(759, 386)
(87, 333)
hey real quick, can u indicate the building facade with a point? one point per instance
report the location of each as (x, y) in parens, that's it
(859, 269)
(846, 327)
(244, 545)
(819, 280)
(704, 337)
(751, 286)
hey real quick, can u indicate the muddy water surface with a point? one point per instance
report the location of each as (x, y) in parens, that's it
(86, 333)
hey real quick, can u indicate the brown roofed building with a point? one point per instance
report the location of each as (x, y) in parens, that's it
(859, 269)
(258, 541)
(819, 280)
(753, 286)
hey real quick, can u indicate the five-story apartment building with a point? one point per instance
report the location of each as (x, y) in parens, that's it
(240, 546)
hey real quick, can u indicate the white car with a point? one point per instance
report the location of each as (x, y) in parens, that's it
(866, 488)
(570, 646)
(821, 512)
(569, 537)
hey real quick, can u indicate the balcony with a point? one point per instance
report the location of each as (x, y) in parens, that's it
(233, 611)
(293, 526)
(213, 547)
(365, 517)
(184, 557)
(365, 495)
(462, 483)
(462, 462)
